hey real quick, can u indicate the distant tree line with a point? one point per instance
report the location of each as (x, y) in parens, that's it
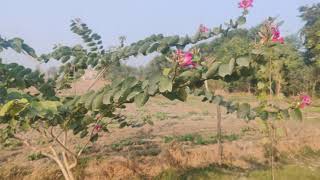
(296, 63)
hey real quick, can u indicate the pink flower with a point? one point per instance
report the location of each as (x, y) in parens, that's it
(305, 101)
(188, 58)
(245, 4)
(203, 29)
(97, 128)
(185, 59)
(276, 37)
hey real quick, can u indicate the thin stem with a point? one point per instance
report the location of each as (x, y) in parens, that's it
(219, 129)
(61, 144)
(270, 79)
(64, 157)
(87, 143)
(175, 71)
(55, 157)
(272, 152)
(219, 134)
(75, 84)
(272, 124)
(97, 78)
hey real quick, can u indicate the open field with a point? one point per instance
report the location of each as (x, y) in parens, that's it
(182, 144)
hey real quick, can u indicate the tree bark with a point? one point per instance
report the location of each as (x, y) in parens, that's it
(219, 135)
(278, 87)
(314, 86)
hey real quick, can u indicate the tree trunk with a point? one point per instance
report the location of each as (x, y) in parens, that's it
(278, 87)
(219, 135)
(314, 86)
(249, 88)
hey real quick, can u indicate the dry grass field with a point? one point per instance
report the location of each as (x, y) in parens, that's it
(182, 144)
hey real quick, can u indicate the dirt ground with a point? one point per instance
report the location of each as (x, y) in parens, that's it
(182, 137)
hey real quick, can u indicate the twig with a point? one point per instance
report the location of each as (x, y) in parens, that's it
(87, 143)
(61, 144)
(97, 78)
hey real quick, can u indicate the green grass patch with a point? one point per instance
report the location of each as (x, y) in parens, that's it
(121, 144)
(191, 113)
(207, 173)
(161, 116)
(35, 156)
(197, 139)
(289, 172)
(309, 152)
(12, 143)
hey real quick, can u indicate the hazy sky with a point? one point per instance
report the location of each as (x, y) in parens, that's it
(43, 23)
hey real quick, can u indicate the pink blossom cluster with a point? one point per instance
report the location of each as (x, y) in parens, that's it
(305, 100)
(203, 29)
(97, 128)
(245, 4)
(276, 37)
(185, 59)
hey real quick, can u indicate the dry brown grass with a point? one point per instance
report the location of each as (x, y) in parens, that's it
(135, 161)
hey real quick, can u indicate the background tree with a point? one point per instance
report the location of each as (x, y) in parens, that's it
(311, 35)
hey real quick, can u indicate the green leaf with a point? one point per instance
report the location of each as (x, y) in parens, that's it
(213, 69)
(263, 115)
(241, 20)
(166, 71)
(44, 107)
(261, 85)
(244, 110)
(182, 94)
(217, 30)
(153, 48)
(141, 99)
(256, 51)
(84, 133)
(97, 102)
(208, 96)
(84, 98)
(165, 84)
(243, 61)
(217, 100)
(6, 108)
(94, 138)
(296, 114)
(184, 40)
(232, 63)
(224, 70)
(185, 76)
(143, 49)
(88, 103)
(107, 98)
(123, 124)
(173, 40)
(190, 75)
(163, 48)
(145, 84)
(132, 95)
(30, 51)
(152, 88)
(16, 44)
(285, 114)
(196, 37)
(150, 122)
